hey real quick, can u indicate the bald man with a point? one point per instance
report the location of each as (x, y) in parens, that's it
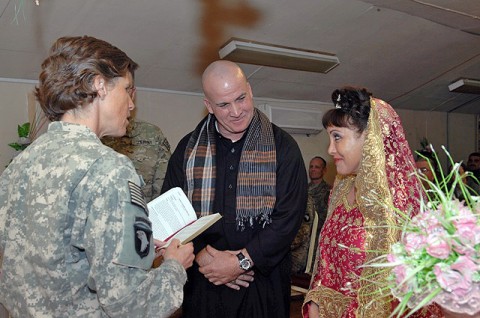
(239, 164)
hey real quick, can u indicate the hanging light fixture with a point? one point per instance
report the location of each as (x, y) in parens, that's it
(465, 85)
(257, 53)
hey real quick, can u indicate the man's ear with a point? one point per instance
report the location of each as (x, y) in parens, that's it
(249, 89)
(207, 104)
(100, 86)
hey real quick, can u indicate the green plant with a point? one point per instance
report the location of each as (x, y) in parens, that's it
(23, 137)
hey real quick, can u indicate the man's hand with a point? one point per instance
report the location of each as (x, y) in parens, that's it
(242, 280)
(222, 268)
(203, 258)
(181, 253)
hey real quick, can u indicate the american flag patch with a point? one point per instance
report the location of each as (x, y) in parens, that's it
(136, 196)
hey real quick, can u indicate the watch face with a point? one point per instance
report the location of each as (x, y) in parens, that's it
(245, 264)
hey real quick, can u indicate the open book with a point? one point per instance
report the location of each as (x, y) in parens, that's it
(173, 216)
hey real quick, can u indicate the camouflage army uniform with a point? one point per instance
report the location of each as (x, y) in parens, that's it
(149, 150)
(301, 241)
(320, 193)
(75, 234)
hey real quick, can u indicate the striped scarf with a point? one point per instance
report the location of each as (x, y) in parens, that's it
(256, 192)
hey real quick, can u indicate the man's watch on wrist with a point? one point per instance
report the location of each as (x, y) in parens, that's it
(245, 263)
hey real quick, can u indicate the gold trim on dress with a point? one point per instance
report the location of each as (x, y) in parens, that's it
(330, 302)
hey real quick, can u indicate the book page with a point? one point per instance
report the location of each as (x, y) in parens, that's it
(191, 231)
(170, 212)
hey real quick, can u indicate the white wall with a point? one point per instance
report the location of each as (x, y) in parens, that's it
(178, 113)
(13, 107)
(457, 132)
(175, 113)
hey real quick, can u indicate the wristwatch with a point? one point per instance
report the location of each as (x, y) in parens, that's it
(245, 263)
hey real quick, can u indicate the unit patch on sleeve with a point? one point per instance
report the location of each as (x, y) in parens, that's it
(142, 235)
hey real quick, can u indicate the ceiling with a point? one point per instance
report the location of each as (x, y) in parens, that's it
(404, 51)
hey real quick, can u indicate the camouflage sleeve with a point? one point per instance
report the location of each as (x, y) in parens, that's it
(303, 234)
(326, 197)
(164, 155)
(301, 242)
(119, 245)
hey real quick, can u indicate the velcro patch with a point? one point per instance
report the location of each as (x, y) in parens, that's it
(143, 235)
(136, 196)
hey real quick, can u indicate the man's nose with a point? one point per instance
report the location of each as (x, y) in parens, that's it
(235, 110)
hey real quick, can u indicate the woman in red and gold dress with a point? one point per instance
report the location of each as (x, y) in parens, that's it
(375, 171)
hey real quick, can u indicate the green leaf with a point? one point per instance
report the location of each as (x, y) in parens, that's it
(24, 130)
(15, 146)
(425, 301)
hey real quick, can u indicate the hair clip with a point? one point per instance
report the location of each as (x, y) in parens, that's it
(337, 105)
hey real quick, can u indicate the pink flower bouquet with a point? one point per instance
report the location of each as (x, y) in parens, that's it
(438, 256)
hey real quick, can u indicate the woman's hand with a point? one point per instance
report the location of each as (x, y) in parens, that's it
(181, 253)
(159, 251)
(313, 310)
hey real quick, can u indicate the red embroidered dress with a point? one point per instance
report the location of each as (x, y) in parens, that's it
(340, 266)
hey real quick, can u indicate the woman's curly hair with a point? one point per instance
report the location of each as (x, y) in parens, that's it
(352, 108)
(66, 80)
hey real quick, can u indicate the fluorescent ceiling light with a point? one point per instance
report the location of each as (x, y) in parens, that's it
(249, 52)
(465, 85)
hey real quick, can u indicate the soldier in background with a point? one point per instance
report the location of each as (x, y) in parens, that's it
(149, 150)
(318, 192)
(318, 188)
